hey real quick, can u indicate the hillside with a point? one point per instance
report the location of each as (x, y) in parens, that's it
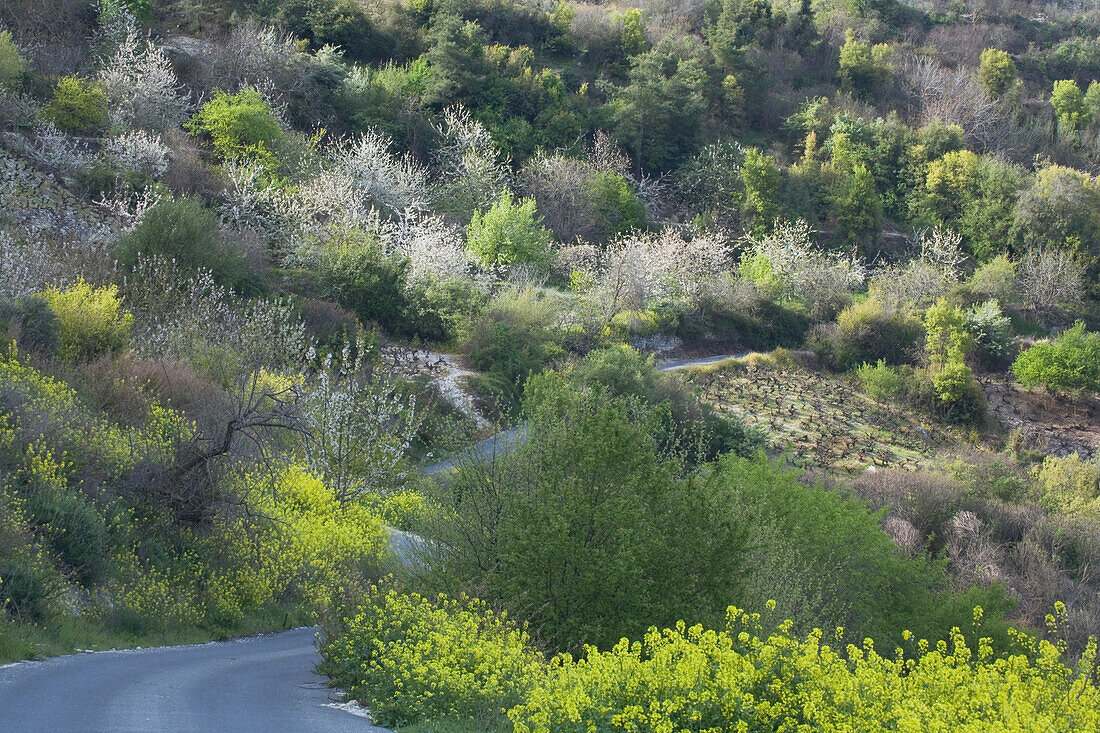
(264, 263)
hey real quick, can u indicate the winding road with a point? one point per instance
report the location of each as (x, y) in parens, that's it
(257, 683)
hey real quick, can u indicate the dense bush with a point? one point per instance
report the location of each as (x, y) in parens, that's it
(241, 125)
(412, 660)
(583, 530)
(32, 323)
(186, 232)
(509, 233)
(78, 105)
(867, 332)
(1070, 363)
(339, 23)
(355, 272)
(90, 321)
(519, 334)
(1069, 486)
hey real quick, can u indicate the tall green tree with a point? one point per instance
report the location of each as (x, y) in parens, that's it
(657, 115)
(585, 530)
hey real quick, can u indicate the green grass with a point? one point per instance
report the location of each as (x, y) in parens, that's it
(820, 420)
(445, 726)
(71, 634)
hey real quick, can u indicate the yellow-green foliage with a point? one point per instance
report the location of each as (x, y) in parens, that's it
(411, 659)
(294, 544)
(12, 65)
(78, 105)
(49, 414)
(315, 544)
(693, 679)
(1069, 486)
(91, 321)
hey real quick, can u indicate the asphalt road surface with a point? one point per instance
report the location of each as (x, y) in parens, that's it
(259, 683)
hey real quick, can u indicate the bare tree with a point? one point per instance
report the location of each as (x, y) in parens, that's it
(1050, 278)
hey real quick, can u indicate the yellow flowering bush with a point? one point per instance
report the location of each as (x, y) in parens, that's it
(412, 659)
(695, 679)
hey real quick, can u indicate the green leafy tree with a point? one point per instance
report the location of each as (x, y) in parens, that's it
(1092, 99)
(1069, 364)
(863, 67)
(1061, 210)
(78, 105)
(857, 209)
(657, 114)
(759, 202)
(240, 125)
(733, 25)
(996, 72)
(508, 233)
(455, 55)
(1069, 105)
(12, 64)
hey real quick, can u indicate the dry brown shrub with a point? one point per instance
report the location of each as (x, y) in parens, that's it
(928, 501)
(180, 386)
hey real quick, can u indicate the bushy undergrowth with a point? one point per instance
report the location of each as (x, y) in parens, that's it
(412, 660)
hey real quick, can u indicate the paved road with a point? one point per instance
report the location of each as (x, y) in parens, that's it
(260, 683)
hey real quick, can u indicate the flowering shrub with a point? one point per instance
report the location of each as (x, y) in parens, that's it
(139, 153)
(411, 659)
(788, 261)
(739, 679)
(141, 88)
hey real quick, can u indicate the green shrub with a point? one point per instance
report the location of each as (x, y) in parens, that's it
(613, 203)
(1070, 363)
(240, 125)
(1069, 486)
(996, 279)
(12, 65)
(583, 530)
(508, 233)
(32, 323)
(444, 309)
(186, 232)
(30, 588)
(517, 336)
(410, 659)
(74, 531)
(354, 271)
(996, 71)
(90, 321)
(78, 106)
(863, 67)
(340, 23)
(867, 332)
(879, 381)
